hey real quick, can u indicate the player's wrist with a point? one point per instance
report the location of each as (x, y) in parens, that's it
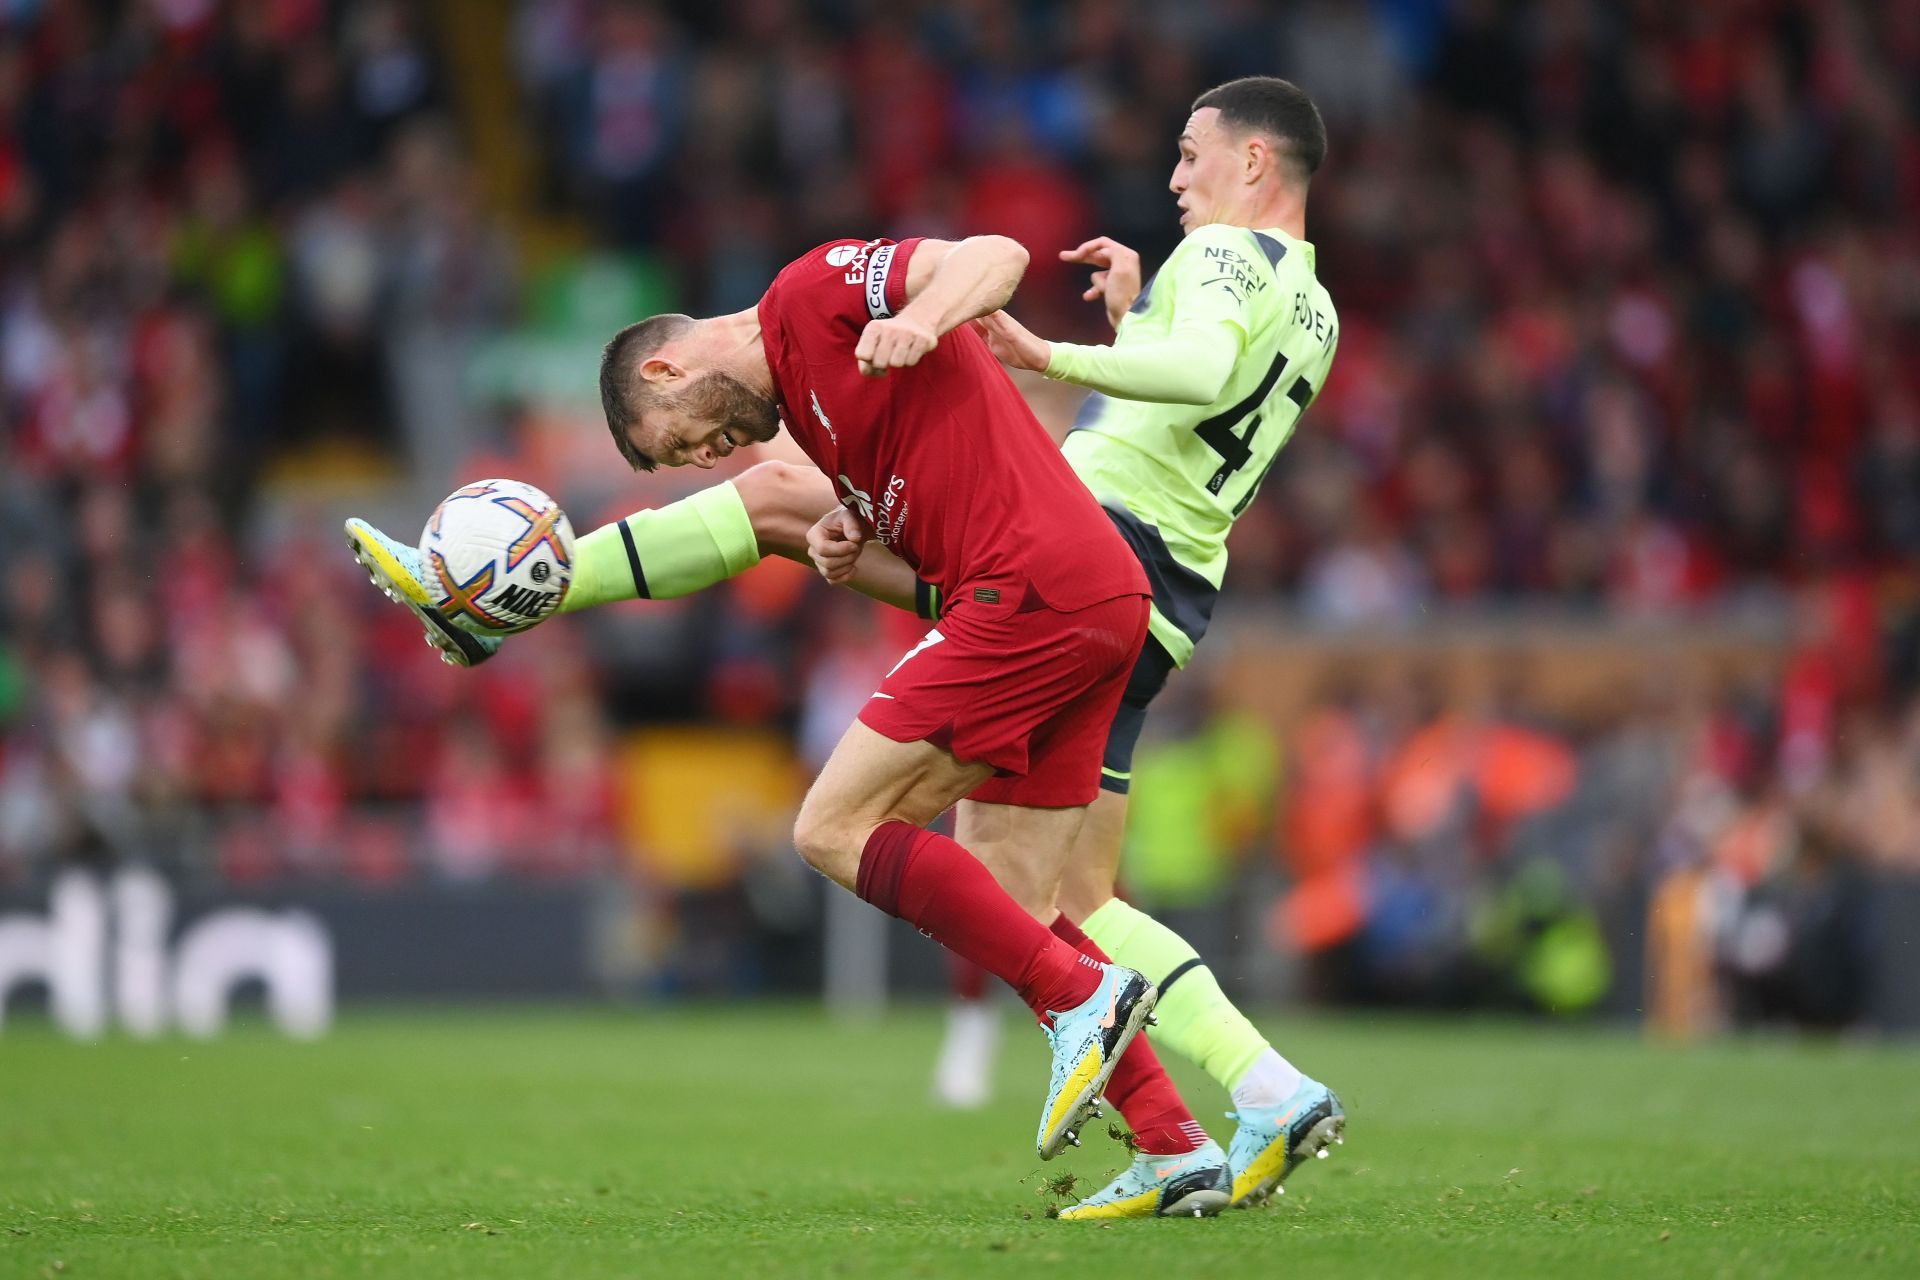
(1056, 360)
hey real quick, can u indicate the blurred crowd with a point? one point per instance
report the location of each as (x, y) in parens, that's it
(233, 237)
(1630, 302)
(1450, 848)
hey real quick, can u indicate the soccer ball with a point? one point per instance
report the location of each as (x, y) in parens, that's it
(499, 556)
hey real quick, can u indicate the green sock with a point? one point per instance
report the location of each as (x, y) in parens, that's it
(665, 553)
(1196, 1020)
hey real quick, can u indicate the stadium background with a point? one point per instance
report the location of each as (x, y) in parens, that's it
(1570, 658)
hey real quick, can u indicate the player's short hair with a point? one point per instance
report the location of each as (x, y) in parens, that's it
(1277, 109)
(624, 394)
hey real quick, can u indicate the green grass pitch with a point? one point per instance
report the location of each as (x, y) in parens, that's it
(751, 1141)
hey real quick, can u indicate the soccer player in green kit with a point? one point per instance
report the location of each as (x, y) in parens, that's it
(1213, 362)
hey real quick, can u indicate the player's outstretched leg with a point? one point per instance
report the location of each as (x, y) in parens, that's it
(400, 571)
(660, 554)
(1271, 1142)
(1193, 1184)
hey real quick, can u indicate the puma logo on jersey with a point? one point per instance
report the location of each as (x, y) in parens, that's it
(1237, 273)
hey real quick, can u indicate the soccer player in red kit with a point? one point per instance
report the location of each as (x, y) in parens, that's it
(864, 350)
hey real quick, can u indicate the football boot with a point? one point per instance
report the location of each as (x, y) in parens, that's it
(400, 571)
(1196, 1184)
(1271, 1142)
(1087, 1042)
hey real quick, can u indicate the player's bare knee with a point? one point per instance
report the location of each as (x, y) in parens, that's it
(828, 842)
(776, 496)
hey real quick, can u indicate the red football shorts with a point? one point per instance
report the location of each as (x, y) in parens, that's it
(1030, 693)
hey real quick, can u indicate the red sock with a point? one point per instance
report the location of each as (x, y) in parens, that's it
(1140, 1086)
(942, 890)
(966, 980)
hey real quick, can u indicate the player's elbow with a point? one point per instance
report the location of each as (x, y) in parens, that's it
(1014, 252)
(1010, 258)
(1212, 388)
(1198, 386)
(1201, 372)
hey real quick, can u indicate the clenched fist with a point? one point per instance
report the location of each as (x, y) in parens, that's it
(834, 544)
(893, 343)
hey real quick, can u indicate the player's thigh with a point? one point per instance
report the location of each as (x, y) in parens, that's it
(1093, 867)
(870, 779)
(1083, 664)
(783, 499)
(1026, 849)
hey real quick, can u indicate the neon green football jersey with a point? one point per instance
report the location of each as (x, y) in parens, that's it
(1174, 476)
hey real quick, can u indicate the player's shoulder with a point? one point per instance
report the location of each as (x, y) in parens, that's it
(865, 267)
(1248, 261)
(828, 257)
(1219, 242)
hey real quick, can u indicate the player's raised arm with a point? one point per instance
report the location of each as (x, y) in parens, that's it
(1190, 365)
(948, 283)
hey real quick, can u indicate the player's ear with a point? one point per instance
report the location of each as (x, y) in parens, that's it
(659, 370)
(1257, 158)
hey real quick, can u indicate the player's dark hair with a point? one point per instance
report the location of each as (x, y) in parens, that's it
(623, 392)
(1277, 109)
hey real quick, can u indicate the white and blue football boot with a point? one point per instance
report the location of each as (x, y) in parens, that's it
(399, 570)
(1271, 1142)
(1197, 1184)
(1087, 1043)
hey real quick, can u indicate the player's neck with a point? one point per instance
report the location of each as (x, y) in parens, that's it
(1284, 210)
(731, 343)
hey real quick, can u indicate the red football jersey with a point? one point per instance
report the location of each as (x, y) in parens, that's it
(944, 461)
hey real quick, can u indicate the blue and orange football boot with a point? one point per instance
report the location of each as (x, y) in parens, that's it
(399, 571)
(1271, 1142)
(1197, 1184)
(1087, 1042)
